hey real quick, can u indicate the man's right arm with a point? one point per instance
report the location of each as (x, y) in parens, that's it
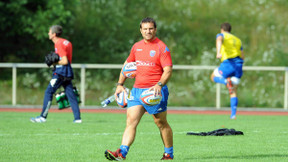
(219, 41)
(122, 78)
(120, 82)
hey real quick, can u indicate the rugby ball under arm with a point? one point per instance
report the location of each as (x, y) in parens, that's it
(129, 70)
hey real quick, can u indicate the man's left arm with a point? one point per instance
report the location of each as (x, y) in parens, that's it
(63, 61)
(242, 52)
(62, 52)
(167, 73)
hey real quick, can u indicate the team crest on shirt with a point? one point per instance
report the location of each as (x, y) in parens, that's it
(152, 53)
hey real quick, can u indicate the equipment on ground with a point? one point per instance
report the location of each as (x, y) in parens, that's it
(217, 132)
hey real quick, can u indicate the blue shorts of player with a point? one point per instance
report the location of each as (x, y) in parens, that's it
(231, 67)
(135, 100)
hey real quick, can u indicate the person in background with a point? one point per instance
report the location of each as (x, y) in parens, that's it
(230, 51)
(62, 76)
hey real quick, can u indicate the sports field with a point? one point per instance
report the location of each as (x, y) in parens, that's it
(265, 136)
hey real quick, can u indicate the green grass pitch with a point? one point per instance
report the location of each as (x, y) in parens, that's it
(265, 138)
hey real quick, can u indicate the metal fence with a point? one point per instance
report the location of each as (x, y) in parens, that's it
(83, 68)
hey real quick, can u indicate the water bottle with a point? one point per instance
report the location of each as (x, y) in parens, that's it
(59, 101)
(108, 101)
(64, 99)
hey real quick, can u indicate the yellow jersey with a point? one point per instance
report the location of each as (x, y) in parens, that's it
(231, 46)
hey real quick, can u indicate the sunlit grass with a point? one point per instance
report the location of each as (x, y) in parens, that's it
(60, 140)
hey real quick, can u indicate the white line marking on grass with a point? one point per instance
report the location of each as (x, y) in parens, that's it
(256, 131)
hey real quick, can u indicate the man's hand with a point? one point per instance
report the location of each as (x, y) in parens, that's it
(157, 89)
(219, 55)
(118, 90)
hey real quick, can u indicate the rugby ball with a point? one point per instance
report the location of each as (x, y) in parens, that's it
(129, 70)
(122, 99)
(148, 98)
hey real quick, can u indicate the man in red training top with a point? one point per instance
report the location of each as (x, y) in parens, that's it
(62, 76)
(154, 68)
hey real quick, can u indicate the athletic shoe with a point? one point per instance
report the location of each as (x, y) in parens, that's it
(117, 156)
(38, 119)
(166, 156)
(77, 121)
(233, 117)
(229, 85)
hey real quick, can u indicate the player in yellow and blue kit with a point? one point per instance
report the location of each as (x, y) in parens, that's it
(230, 51)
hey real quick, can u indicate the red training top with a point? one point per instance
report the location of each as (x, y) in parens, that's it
(150, 60)
(64, 48)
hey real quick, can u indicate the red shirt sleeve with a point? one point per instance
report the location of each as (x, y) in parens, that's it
(131, 57)
(165, 58)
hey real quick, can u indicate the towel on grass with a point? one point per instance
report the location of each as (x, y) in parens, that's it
(218, 132)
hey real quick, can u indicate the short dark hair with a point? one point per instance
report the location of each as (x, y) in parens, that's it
(226, 27)
(148, 20)
(56, 29)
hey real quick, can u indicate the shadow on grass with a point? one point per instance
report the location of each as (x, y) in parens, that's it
(242, 157)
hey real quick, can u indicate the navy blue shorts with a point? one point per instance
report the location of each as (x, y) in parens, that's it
(134, 100)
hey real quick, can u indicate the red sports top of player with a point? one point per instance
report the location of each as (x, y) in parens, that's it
(64, 48)
(151, 58)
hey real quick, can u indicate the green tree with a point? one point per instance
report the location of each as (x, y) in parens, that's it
(103, 31)
(25, 25)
